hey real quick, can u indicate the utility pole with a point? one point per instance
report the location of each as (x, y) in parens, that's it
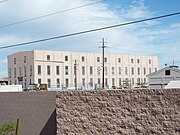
(75, 73)
(17, 127)
(103, 46)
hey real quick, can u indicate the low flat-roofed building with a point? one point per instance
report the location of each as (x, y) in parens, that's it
(60, 69)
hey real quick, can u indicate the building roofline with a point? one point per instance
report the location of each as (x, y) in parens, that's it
(86, 52)
(172, 68)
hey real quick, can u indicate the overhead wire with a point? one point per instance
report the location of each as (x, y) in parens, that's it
(51, 14)
(89, 31)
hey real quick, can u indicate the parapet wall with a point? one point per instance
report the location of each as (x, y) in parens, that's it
(118, 112)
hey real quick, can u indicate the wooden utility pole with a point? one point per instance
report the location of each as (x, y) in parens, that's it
(103, 46)
(75, 73)
(17, 127)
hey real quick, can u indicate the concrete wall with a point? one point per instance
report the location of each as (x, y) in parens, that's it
(35, 110)
(118, 112)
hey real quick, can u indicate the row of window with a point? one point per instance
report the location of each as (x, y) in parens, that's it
(91, 83)
(98, 70)
(20, 71)
(106, 60)
(83, 59)
(15, 60)
(83, 70)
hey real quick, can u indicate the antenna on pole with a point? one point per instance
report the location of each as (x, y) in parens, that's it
(103, 46)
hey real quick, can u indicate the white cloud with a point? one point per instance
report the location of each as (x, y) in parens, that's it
(137, 10)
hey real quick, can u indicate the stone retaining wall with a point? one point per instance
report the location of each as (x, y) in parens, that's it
(118, 112)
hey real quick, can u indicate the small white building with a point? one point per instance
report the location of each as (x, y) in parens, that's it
(11, 88)
(173, 85)
(162, 77)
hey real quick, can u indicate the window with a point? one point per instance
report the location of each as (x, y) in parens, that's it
(119, 60)
(82, 58)
(144, 80)
(112, 70)
(99, 81)
(48, 57)
(58, 82)
(66, 58)
(132, 81)
(57, 70)
(9, 72)
(113, 81)
(126, 71)
(66, 70)
(144, 71)
(14, 72)
(98, 59)
(167, 72)
(91, 70)
(98, 70)
(15, 82)
(105, 59)
(49, 83)
(83, 70)
(138, 70)
(119, 70)
(132, 70)
(106, 82)
(39, 81)
(83, 82)
(119, 81)
(10, 82)
(132, 61)
(24, 59)
(48, 70)
(20, 71)
(91, 82)
(30, 81)
(149, 61)
(14, 60)
(25, 83)
(25, 71)
(138, 81)
(138, 61)
(30, 70)
(39, 69)
(149, 70)
(67, 82)
(105, 69)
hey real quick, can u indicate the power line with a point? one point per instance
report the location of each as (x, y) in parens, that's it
(88, 31)
(51, 14)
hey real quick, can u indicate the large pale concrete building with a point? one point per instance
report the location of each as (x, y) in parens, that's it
(57, 69)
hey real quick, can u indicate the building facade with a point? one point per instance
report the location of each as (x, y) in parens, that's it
(162, 77)
(59, 69)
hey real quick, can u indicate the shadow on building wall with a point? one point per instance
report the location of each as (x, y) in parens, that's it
(50, 127)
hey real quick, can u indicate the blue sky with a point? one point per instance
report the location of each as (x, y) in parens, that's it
(160, 37)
